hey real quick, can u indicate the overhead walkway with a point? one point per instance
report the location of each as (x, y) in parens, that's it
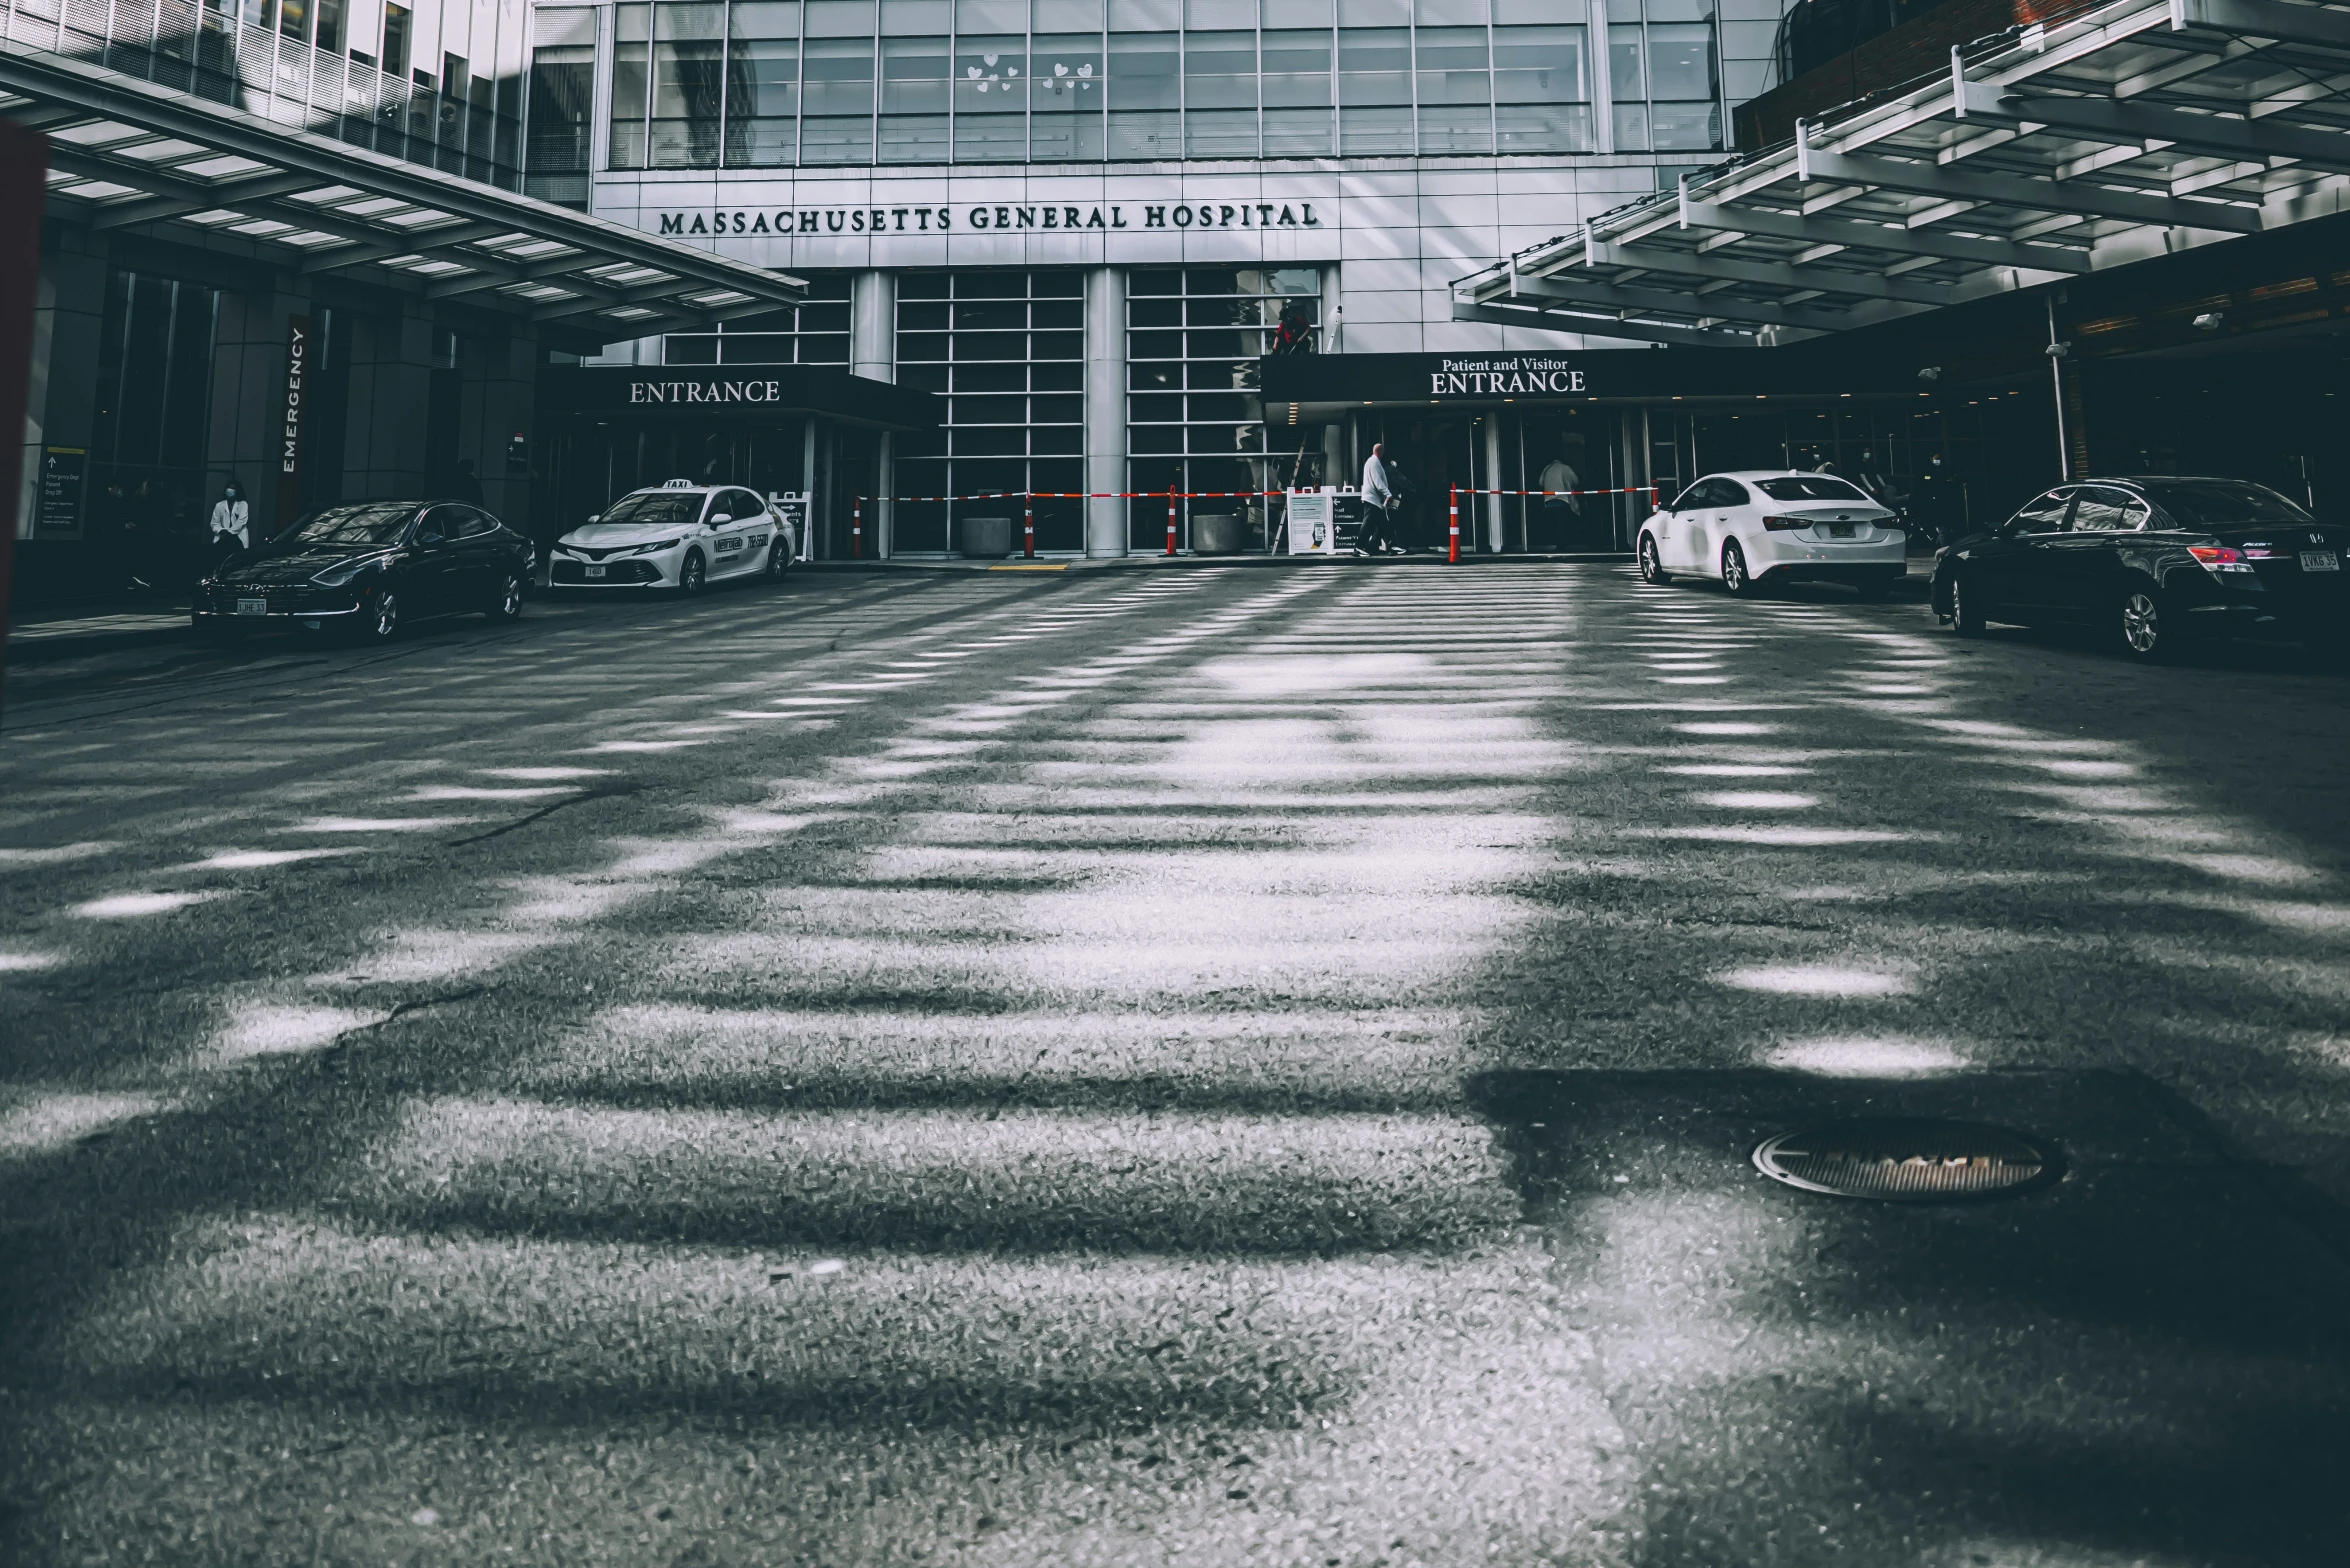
(2114, 133)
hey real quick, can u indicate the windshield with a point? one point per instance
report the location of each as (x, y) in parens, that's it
(1808, 487)
(2219, 503)
(358, 525)
(655, 508)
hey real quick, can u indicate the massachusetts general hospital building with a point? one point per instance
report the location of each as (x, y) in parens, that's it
(920, 260)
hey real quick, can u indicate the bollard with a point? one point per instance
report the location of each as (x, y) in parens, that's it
(1028, 527)
(1170, 522)
(857, 529)
(1455, 556)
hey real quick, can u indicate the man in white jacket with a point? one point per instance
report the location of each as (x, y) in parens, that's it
(1378, 504)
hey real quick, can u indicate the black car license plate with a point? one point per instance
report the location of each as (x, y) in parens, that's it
(1839, 530)
(252, 606)
(594, 571)
(2320, 561)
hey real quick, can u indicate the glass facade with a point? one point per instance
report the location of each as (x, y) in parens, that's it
(1006, 350)
(453, 104)
(764, 83)
(1194, 419)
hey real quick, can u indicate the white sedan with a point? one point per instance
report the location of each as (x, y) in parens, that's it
(679, 535)
(1763, 526)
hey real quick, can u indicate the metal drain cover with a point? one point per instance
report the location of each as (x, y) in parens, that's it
(1905, 1160)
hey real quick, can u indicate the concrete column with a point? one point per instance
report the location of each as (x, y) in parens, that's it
(502, 402)
(391, 387)
(248, 389)
(1334, 453)
(61, 406)
(873, 353)
(885, 479)
(1105, 410)
(1332, 336)
(1493, 529)
(808, 485)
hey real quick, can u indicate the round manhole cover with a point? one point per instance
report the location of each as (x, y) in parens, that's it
(1908, 1160)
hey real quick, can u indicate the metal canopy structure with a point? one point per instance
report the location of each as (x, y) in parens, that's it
(125, 152)
(2111, 134)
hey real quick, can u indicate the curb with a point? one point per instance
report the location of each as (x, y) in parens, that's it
(1142, 562)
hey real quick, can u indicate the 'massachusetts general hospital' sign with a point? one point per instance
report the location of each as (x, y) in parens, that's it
(991, 217)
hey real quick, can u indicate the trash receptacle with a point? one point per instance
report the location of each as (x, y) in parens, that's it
(985, 537)
(1215, 533)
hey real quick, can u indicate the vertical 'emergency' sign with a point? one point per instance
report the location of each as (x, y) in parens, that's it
(289, 463)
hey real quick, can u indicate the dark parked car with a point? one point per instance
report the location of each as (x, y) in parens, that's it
(2149, 563)
(373, 566)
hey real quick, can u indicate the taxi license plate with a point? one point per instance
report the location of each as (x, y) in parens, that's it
(596, 571)
(2320, 561)
(252, 606)
(1839, 530)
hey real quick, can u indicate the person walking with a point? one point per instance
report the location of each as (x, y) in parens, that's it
(1378, 496)
(1562, 509)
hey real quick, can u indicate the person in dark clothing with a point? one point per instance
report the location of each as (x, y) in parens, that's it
(1937, 508)
(465, 485)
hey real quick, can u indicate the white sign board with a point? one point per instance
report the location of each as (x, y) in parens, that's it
(1312, 523)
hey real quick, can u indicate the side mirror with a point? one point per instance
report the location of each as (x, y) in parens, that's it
(592, 516)
(720, 521)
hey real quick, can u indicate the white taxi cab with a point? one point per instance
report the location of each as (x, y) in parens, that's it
(678, 535)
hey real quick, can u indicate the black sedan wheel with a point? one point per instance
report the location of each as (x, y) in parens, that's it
(2144, 636)
(379, 617)
(778, 555)
(1652, 569)
(507, 604)
(1965, 618)
(692, 575)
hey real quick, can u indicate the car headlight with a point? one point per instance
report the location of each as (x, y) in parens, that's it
(340, 576)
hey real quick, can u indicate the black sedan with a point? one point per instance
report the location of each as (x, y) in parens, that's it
(2150, 563)
(372, 566)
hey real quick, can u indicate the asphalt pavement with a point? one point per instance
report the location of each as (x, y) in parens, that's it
(1201, 1065)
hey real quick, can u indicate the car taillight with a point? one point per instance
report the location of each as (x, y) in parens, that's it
(1780, 525)
(2220, 557)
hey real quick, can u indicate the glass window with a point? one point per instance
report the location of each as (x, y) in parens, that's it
(1066, 93)
(840, 18)
(1069, 16)
(1374, 89)
(562, 93)
(763, 83)
(1013, 383)
(1220, 70)
(631, 67)
(991, 93)
(1808, 487)
(914, 75)
(1297, 88)
(1541, 93)
(1143, 94)
(837, 92)
(2045, 515)
(2220, 503)
(1143, 70)
(687, 60)
(2103, 511)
